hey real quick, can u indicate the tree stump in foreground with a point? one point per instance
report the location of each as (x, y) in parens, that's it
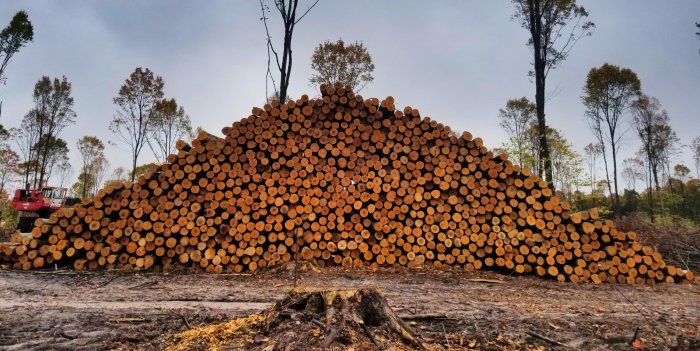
(360, 319)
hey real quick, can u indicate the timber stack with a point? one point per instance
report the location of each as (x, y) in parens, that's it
(339, 180)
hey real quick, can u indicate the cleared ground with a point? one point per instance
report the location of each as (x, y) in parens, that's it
(68, 310)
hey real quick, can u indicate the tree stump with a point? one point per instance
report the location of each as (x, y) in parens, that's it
(347, 311)
(311, 320)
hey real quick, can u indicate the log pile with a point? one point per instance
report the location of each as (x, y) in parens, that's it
(340, 180)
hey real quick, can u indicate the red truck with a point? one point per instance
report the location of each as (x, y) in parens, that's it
(37, 203)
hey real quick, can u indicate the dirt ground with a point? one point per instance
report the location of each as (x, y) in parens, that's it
(66, 310)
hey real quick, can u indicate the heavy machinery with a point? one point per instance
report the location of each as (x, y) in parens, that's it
(37, 203)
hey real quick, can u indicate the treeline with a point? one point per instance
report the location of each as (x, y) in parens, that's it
(40, 156)
(613, 99)
(143, 118)
(674, 202)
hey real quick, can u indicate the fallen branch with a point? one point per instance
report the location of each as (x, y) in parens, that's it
(330, 338)
(447, 340)
(544, 338)
(129, 320)
(481, 280)
(54, 272)
(140, 286)
(187, 324)
(63, 334)
(371, 337)
(419, 317)
(105, 283)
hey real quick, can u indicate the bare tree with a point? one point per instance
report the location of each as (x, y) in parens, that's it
(288, 11)
(135, 102)
(566, 163)
(633, 170)
(169, 123)
(65, 171)
(9, 167)
(58, 155)
(608, 94)
(555, 26)
(120, 174)
(658, 138)
(53, 111)
(89, 183)
(667, 142)
(91, 150)
(648, 118)
(593, 151)
(516, 119)
(100, 171)
(695, 149)
(26, 137)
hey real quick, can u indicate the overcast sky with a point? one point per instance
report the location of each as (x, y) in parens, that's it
(456, 61)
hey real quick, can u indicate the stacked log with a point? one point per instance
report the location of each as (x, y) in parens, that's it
(339, 180)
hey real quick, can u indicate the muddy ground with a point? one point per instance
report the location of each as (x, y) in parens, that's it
(66, 310)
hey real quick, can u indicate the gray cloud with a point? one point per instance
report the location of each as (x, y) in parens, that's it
(456, 61)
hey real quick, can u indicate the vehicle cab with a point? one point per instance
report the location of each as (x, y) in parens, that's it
(32, 200)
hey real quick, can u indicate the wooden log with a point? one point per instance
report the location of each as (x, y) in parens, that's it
(339, 180)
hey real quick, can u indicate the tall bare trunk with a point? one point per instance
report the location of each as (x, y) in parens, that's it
(650, 184)
(616, 199)
(607, 173)
(133, 167)
(540, 66)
